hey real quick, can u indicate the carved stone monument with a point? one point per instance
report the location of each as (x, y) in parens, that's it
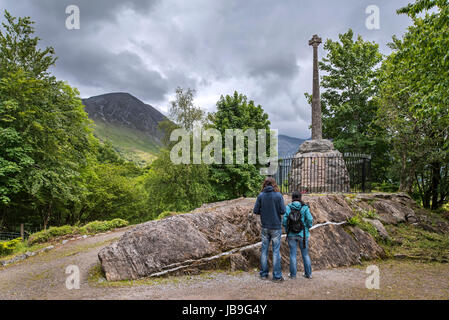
(318, 166)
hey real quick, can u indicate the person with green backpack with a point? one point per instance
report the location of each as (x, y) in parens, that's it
(297, 221)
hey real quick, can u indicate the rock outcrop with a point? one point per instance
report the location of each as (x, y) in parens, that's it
(227, 235)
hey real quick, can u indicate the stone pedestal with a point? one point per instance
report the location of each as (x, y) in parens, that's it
(318, 167)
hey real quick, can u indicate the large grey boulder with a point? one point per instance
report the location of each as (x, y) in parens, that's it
(156, 245)
(227, 235)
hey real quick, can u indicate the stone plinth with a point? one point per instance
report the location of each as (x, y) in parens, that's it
(318, 167)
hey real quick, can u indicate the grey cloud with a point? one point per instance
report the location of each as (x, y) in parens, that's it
(261, 46)
(124, 71)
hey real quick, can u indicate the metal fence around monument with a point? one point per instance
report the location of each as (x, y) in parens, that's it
(347, 173)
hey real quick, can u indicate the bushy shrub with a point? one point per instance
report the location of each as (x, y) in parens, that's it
(102, 226)
(50, 233)
(358, 221)
(118, 223)
(166, 214)
(90, 228)
(385, 186)
(7, 247)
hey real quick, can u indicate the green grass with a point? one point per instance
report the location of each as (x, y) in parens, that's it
(417, 243)
(21, 248)
(132, 144)
(357, 221)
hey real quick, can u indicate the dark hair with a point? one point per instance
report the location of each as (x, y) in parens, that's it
(297, 196)
(269, 181)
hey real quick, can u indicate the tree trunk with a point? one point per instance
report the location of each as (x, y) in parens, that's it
(436, 178)
(403, 176)
(47, 216)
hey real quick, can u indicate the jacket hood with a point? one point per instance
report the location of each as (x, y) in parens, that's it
(268, 189)
(295, 205)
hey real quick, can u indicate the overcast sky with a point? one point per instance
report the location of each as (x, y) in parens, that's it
(149, 47)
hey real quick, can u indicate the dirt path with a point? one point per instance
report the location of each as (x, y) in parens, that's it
(43, 277)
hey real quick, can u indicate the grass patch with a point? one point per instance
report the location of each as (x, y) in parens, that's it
(167, 214)
(417, 243)
(131, 144)
(357, 221)
(9, 249)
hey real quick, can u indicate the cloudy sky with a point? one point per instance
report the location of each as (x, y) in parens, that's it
(149, 47)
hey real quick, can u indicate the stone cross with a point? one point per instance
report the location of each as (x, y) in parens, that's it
(316, 103)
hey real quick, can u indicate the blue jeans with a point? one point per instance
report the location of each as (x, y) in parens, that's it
(274, 236)
(293, 245)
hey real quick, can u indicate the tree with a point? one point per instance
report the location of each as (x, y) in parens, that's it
(348, 107)
(111, 190)
(43, 126)
(172, 187)
(177, 187)
(415, 102)
(182, 110)
(236, 180)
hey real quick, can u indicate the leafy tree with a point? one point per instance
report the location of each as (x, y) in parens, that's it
(415, 102)
(111, 190)
(172, 187)
(177, 187)
(348, 107)
(182, 110)
(19, 49)
(43, 121)
(234, 180)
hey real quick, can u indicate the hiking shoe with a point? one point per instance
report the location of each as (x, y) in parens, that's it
(263, 278)
(307, 277)
(290, 276)
(278, 280)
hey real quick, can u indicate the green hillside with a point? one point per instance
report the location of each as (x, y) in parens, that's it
(132, 144)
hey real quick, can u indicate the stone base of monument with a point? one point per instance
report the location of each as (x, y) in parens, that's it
(317, 168)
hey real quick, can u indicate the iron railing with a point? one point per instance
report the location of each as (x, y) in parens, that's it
(332, 173)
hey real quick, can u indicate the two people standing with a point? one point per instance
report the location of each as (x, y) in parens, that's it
(273, 215)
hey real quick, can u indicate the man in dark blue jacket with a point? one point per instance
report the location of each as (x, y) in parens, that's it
(270, 206)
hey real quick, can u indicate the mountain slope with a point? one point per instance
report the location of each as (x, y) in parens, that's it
(129, 124)
(288, 146)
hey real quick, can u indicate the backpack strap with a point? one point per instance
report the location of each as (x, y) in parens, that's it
(286, 229)
(304, 230)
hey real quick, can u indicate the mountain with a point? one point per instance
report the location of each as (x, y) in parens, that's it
(132, 126)
(129, 124)
(288, 146)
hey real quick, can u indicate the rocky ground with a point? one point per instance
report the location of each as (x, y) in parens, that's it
(43, 277)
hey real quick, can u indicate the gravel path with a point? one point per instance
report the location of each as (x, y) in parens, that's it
(43, 277)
